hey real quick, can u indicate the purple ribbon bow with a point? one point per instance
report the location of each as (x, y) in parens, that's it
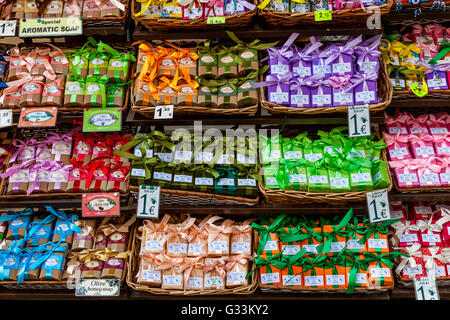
(336, 51)
(11, 171)
(297, 83)
(362, 78)
(273, 80)
(368, 48)
(21, 146)
(286, 51)
(306, 53)
(44, 166)
(52, 137)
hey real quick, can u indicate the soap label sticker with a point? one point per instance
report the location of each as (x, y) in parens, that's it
(38, 117)
(270, 278)
(97, 288)
(292, 280)
(102, 119)
(100, 204)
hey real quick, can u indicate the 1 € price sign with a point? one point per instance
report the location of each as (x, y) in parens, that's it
(148, 201)
(426, 289)
(378, 204)
(359, 121)
(164, 112)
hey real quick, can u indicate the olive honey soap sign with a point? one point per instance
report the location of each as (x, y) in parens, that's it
(51, 27)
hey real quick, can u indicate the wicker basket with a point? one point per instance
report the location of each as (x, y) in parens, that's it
(133, 268)
(81, 109)
(346, 16)
(384, 93)
(149, 111)
(61, 285)
(420, 189)
(241, 20)
(276, 197)
(399, 6)
(193, 198)
(406, 94)
(282, 289)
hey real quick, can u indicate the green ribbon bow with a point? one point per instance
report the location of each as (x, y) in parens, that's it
(337, 230)
(264, 231)
(269, 261)
(295, 260)
(146, 163)
(376, 228)
(252, 172)
(355, 264)
(444, 49)
(356, 228)
(255, 44)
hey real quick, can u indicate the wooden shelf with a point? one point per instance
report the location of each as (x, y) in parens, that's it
(419, 103)
(408, 293)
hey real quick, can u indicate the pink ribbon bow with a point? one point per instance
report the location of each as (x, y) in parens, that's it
(391, 139)
(340, 82)
(430, 163)
(420, 139)
(438, 120)
(399, 120)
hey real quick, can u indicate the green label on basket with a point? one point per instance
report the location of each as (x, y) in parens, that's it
(215, 20)
(418, 91)
(324, 15)
(102, 119)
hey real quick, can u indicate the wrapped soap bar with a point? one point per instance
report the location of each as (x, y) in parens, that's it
(92, 269)
(270, 272)
(39, 66)
(77, 177)
(78, 67)
(379, 273)
(335, 272)
(17, 10)
(318, 180)
(342, 91)
(206, 98)
(278, 89)
(396, 125)
(405, 173)
(92, 94)
(10, 263)
(193, 273)
(247, 95)
(237, 270)
(339, 180)
(321, 93)
(250, 61)
(73, 8)
(247, 182)
(366, 88)
(207, 65)
(319, 68)
(64, 230)
(113, 268)
(430, 232)
(167, 67)
(74, 94)
(437, 124)
(90, 10)
(214, 274)
(18, 226)
(378, 240)
(118, 68)
(31, 94)
(227, 66)
(227, 97)
(17, 64)
(204, 178)
(172, 274)
(142, 95)
(380, 175)
(219, 237)
(434, 259)
(40, 231)
(27, 260)
(397, 146)
(98, 64)
(167, 95)
(117, 241)
(114, 95)
(314, 276)
(188, 63)
(356, 233)
(421, 146)
(428, 173)
(84, 239)
(18, 181)
(361, 177)
(148, 275)
(153, 237)
(187, 95)
(12, 100)
(270, 174)
(100, 176)
(53, 267)
(31, 9)
(52, 94)
(177, 235)
(337, 242)
(241, 238)
(300, 93)
(408, 271)
(110, 9)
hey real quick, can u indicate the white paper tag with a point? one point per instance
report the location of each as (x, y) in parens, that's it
(235, 277)
(395, 153)
(318, 179)
(218, 246)
(247, 182)
(182, 155)
(172, 280)
(354, 244)
(151, 275)
(289, 155)
(279, 69)
(339, 182)
(321, 99)
(182, 178)
(5, 114)
(137, 172)
(335, 280)
(426, 289)
(148, 201)
(407, 177)
(164, 112)
(377, 243)
(154, 245)
(424, 151)
(237, 247)
(313, 157)
(270, 278)
(204, 181)
(341, 67)
(290, 250)
(359, 121)
(196, 248)
(271, 245)
(408, 270)
(300, 99)
(378, 204)
(310, 248)
(431, 238)
(177, 248)
(337, 246)
(225, 182)
(302, 72)
(361, 177)
(279, 97)
(292, 280)
(162, 176)
(311, 281)
(195, 283)
(297, 178)
(361, 278)
(380, 272)
(409, 237)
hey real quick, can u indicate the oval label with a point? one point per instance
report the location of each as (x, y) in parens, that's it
(101, 204)
(103, 119)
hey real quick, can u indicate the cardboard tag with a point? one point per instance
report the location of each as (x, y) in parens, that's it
(148, 201)
(420, 92)
(215, 20)
(8, 28)
(100, 204)
(38, 117)
(426, 289)
(51, 27)
(102, 119)
(164, 112)
(359, 121)
(324, 15)
(378, 204)
(6, 118)
(97, 288)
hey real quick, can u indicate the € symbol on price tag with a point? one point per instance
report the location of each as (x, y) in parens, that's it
(324, 15)
(148, 201)
(419, 91)
(215, 20)
(5, 118)
(359, 121)
(426, 289)
(378, 204)
(164, 112)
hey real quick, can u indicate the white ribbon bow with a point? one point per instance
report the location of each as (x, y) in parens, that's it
(413, 251)
(430, 259)
(402, 228)
(430, 226)
(445, 217)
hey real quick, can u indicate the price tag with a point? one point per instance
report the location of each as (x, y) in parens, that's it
(359, 121)
(8, 28)
(148, 201)
(324, 15)
(215, 20)
(97, 288)
(6, 118)
(418, 91)
(426, 289)
(378, 204)
(164, 112)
